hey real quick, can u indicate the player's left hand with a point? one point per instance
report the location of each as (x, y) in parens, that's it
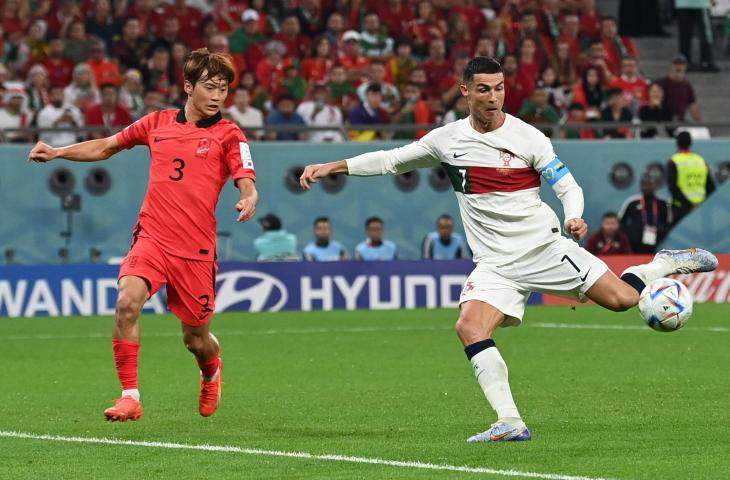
(247, 207)
(576, 228)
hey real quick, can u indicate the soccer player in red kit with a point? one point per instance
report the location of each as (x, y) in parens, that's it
(193, 152)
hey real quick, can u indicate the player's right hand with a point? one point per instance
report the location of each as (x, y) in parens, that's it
(312, 173)
(42, 153)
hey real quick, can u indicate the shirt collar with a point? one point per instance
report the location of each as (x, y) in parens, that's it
(204, 123)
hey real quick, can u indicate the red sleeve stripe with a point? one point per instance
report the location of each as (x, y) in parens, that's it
(493, 179)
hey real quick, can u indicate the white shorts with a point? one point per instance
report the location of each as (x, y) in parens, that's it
(560, 268)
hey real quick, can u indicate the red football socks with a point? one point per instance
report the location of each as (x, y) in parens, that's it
(125, 359)
(209, 367)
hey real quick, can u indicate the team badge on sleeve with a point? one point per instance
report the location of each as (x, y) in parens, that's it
(245, 155)
(554, 171)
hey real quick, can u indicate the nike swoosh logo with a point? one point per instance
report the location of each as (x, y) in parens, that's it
(161, 139)
(583, 278)
(495, 438)
(457, 156)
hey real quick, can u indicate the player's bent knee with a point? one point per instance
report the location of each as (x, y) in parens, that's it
(194, 343)
(128, 307)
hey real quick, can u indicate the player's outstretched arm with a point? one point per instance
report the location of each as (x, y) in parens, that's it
(382, 162)
(248, 199)
(318, 170)
(90, 151)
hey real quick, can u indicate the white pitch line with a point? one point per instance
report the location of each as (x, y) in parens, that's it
(238, 333)
(297, 331)
(301, 455)
(598, 326)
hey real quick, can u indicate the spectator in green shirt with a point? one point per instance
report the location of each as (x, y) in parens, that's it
(275, 244)
(537, 108)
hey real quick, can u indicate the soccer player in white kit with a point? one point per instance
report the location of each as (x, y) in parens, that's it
(495, 162)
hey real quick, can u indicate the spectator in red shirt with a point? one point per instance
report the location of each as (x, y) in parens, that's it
(597, 58)
(527, 28)
(425, 27)
(617, 47)
(570, 33)
(297, 45)
(460, 40)
(218, 43)
(108, 113)
(530, 64)
(15, 17)
(270, 71)
(395, 15)
(59, 67)
(60, 18)
(104, 70)
(609, 239)
(354, 62)
(515, 90)
(635, 88)
(190, 19)
(315, 67)
(224, 16)
(150, 14)
(679, 96)
(590, 22)
(438, 68)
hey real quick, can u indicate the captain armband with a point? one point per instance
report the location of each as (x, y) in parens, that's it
(554, 171)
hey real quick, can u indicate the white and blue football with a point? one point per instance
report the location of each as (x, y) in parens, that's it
(665, 304)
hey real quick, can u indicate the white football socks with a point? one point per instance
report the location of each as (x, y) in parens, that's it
(657, 268)
(491, 373)
(132, 392)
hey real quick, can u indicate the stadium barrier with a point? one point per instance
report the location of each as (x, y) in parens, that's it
(29, 291)
(43, 223)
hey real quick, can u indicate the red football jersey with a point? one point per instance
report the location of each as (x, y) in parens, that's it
(189, 164)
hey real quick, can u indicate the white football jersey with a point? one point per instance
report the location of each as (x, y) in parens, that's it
(496, 177)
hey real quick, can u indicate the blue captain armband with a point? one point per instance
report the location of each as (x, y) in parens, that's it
(554, 171)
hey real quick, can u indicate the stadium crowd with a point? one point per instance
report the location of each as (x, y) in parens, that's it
(326, 63)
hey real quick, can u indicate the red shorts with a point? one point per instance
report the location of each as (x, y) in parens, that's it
(190, 283)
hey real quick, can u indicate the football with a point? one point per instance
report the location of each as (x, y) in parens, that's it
(665, 304)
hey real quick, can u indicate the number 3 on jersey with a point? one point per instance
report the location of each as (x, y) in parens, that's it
(180, 164)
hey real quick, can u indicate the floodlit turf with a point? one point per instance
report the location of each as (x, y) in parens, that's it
(603, 402)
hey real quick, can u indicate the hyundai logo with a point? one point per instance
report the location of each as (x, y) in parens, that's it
(261, 291)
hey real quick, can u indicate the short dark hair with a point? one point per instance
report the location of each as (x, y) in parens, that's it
(684, 140)
(374, 88)
(609, 215)
(321, 220)
(373, 220)
(614, 91)
(444, 216)
(480, 65)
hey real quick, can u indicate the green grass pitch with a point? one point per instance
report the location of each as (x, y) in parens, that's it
(601, 401)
